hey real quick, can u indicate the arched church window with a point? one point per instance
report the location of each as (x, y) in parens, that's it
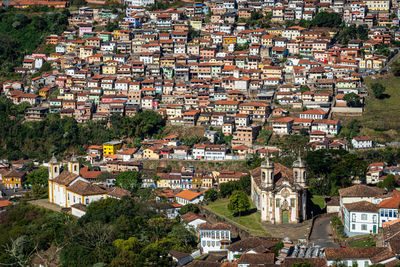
(296, 175)
(75, 168)
(55, 169)
(263, 176)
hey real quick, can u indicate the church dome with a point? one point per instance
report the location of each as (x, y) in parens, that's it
(267, 164)
(299, 163)
(53, 159)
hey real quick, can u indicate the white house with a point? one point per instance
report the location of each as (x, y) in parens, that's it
(361, 257)
(360, 192)
(330, 127)
(188, 197)
(360, 218)
(193, 220)
(362, 142)
(214, 237)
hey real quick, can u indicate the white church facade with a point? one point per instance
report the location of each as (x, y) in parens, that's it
(280, 193)
(67, 187)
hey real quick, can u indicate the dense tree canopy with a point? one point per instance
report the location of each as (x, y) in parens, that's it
(21, 33)
(329, 170)
(239, 203)
(113, 232)
(40, 139)
(352, 99)
(129, 180)
(325, 19)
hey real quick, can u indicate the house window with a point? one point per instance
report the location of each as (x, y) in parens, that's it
(353, 227)
(87, 201)
(74, 199)
(353, 217)
(382, 213)
(278, 203)
(390, 213)
(374, 219)
(395, 213)
(364, 217)
(363, 227)
(68, 196)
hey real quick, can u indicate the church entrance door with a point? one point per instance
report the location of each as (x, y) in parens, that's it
(285, 216)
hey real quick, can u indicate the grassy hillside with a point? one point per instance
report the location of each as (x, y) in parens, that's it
(381, 119)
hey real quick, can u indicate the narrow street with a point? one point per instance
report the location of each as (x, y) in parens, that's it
(322, 233)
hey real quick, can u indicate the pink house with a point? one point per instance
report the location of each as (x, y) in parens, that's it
(84, 28)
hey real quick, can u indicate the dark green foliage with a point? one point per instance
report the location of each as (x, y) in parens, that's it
(39, 177)
(302, 264)
(396, 68)
(351, 32)
(239, 203)
(337, 225)
(189, 208)
(352, 99)
(129, 180)
(21, 33)
(211, 195)
(192, 140)
(125, 233)
(378, 89)
(32, 226)
(329, 170)
(223, 139)
(39, 140)
(244, 185)
(389, 183)
(325, 19)
(351, 129)
(277, 247)
(383, 49)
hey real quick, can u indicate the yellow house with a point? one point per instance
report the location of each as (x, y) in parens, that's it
(108, 57)
(229, 40)
(13, 179)
(109, 69)
(151, 153)
(163, 182)
(167, 62)
(111, 148)
(116, 34)
(207, 181)
(44, 92)
(196, 24)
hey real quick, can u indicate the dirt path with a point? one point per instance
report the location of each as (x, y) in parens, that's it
(44, 203)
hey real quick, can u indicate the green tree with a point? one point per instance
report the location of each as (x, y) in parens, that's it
(129, 180)
(37, 177)
(352, 99)
(325, 19)
(189, 208)
(239, 203)
(378, 89)
(396, 68)
(388, 183)
(211, 195)
(302, 264)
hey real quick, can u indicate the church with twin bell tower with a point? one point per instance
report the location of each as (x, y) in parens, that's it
(280, 193)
